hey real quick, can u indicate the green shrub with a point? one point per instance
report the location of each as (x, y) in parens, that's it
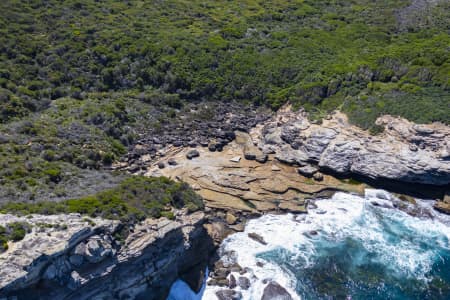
(376, 129)
(15, 232)
(134, 199)
(108, 158)
(18, 230)
(168, 214)
(3, 244)
(54, 174)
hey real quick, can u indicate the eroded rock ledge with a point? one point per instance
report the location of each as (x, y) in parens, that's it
(404, 152)
(88, 260)
(243, 179)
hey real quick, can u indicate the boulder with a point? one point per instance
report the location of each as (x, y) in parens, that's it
(307, 171)
(192, 153)
(443, 205)
(223, 282)
(232, 283)
(318, 176)
(50, 273)
(235, 159)
(244, 283)
(212, 147)
(75, 281)
(274, 291)
(423, 129)
(261, 158)
(177, 143)
(172, 162)
(230, 218)
(218, 231)
(413, 148)
(221, 273)
(248, 155)
(228, 295)
(275, 168)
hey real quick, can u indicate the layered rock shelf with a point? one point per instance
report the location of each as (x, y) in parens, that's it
(404, 151)
(243, 178)
(87, 259)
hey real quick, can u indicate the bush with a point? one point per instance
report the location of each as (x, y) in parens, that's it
(15, 232)
(376, 129)
(134, 199)
(108, 158)
(53, 174)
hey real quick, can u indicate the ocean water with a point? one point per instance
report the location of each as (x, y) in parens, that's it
(349, 247)
(180, 290)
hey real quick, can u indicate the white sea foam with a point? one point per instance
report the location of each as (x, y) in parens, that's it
(344, 215)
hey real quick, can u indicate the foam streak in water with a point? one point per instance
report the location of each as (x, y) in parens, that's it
(346, 247)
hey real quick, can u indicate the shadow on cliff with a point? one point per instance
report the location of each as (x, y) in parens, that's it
(146, 274)
(417, 190)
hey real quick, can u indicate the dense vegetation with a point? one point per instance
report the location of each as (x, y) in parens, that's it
(132, 200)
(63, 151)
(79, 77)
(364, 57)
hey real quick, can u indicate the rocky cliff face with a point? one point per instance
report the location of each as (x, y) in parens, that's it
(274, 167)
(87, 260)
(405, 151)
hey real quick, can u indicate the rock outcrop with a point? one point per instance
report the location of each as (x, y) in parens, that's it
(88, 259)
(404, 152)
(254, 184)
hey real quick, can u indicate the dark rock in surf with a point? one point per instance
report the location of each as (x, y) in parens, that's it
(274, 291)
(228, 295)
(244, 283)
(257, 237)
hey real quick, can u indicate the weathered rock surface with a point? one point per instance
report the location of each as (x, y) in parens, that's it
(208, 124)
(274, 291)
(247, 185)
(24, 262)
(85, 261)
(404, 152)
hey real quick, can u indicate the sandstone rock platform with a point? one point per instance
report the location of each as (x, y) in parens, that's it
(246, 184)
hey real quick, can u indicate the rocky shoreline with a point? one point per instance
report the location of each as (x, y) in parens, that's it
(275, 165)
(90, 260)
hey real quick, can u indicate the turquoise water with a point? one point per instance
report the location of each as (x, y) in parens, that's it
(351, 267)
(347, 248)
